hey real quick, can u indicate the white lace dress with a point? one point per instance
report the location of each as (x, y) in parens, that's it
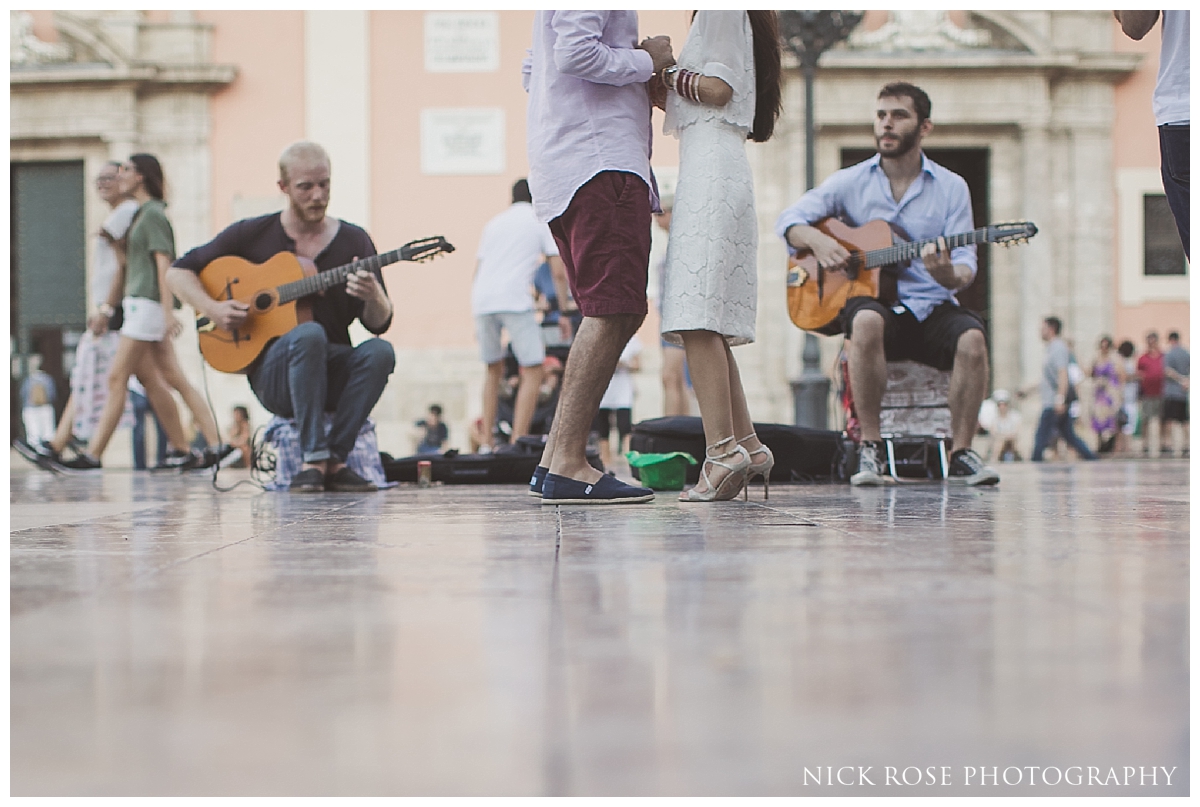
(711, 273)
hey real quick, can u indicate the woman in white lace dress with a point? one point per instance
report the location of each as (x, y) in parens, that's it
(724, 90)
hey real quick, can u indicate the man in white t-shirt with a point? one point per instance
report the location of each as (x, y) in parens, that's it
(98, 345)
(617, 403)
(1172, 106)
(513, 245)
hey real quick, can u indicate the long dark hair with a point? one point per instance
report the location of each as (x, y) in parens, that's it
(768, 72)
(152, 173)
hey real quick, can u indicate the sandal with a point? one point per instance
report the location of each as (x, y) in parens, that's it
(730, 484)
(761, 468)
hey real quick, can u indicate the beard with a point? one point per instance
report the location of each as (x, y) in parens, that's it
(310, 213)
(903, 144)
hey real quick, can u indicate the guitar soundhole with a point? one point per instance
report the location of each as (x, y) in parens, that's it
(262, 302)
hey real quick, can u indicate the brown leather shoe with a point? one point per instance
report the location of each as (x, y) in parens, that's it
(310, 480)
(346, 481)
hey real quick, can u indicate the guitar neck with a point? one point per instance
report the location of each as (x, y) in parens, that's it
(322, 281)
(908, 250)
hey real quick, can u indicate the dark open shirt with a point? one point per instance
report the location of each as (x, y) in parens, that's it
(259, 239)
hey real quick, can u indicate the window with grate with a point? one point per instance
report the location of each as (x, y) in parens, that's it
(1162, 250)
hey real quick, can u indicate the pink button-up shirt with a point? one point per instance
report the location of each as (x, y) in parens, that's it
(589, 110)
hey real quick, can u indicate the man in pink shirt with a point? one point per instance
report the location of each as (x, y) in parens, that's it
(589, 140)
(1151, 378)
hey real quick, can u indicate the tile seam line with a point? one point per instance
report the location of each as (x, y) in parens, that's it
(91, 519)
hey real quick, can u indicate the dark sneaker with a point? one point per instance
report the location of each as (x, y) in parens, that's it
(346, 481)
(79, 465)
(232, 458)
(968, 468)
(538, 479)
(872, 469)
(42, 454)
(310, 480)
(202, 460)
(607, 490)
(37, 454)
(176, 459)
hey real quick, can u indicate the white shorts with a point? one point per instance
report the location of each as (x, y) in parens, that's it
(144, 320)
(523, 334)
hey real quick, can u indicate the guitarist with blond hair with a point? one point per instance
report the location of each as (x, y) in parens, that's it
(313, 368)
(921, 200)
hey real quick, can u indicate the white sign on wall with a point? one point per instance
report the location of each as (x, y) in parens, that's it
(462, 141)
(462, 41)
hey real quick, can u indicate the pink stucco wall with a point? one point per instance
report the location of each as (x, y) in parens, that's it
(262, 111)
(1135, 145)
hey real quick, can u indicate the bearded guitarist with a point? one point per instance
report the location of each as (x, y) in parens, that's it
(312, 369)
(924, 322)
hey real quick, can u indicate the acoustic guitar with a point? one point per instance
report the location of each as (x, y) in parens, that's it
(276, 290)
(816, 296)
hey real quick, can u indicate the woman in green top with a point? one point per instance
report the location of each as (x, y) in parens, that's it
(145, 347)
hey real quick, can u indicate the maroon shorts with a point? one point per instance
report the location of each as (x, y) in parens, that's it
(604, 239)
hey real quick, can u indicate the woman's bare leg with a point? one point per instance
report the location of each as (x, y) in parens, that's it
(161, 401)
(172, 373)
(129, 355)
(709, 361)
(66, 426)
(743, 425)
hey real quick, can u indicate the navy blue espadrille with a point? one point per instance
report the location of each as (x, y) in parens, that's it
(539, 477)
(607, 490)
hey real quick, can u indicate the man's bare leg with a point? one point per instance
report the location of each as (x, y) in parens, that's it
(968, 386)
(526, 403)
(868, 371)
(491, 394)
(590, 366)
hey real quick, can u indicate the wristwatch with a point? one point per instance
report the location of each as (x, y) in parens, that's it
(105, 309)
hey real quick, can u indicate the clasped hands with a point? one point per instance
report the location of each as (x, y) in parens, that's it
(659, 48)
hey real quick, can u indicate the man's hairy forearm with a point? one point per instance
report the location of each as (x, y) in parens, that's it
(187, 287)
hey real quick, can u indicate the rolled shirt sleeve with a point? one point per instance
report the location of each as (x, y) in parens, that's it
(579, 52)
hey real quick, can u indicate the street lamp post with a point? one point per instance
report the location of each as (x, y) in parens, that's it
(808, 34)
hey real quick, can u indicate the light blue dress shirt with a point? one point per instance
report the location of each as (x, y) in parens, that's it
(589, 110)
(936, 203)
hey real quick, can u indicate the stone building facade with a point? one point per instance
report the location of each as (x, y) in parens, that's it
(1049, 109)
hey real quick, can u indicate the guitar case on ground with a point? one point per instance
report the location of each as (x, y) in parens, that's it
(801, 454)
(512, 466)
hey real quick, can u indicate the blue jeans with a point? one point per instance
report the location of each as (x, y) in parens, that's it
(302, 376)
(141, 407)
(1174, 144)
(1052, 423)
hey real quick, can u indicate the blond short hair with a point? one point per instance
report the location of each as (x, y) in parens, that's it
(302, 151)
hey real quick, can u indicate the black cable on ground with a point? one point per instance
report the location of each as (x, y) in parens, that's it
(250, 461)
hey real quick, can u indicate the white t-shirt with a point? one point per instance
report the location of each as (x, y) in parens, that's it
(104, 264)
(510, 252)
(619, 394)
(1172, 93)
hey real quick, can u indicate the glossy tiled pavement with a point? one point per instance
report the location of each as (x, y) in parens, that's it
(167, 639)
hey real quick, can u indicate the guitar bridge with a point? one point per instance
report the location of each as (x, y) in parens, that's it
(797, 277)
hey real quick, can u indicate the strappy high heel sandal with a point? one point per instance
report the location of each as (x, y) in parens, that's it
(737, 460)
(761, 468)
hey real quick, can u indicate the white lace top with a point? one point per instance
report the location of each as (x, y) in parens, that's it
(720, 44)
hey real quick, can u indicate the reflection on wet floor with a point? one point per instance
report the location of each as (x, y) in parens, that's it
(167, 639)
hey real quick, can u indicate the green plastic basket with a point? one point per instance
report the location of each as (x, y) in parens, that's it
(661, 471)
